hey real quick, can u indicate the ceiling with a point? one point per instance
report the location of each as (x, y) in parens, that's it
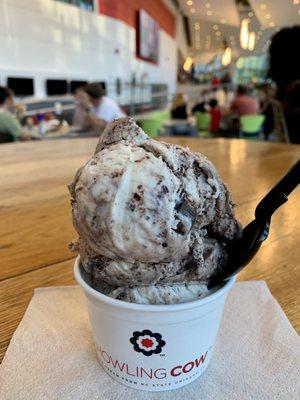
(278, 12)
(214, 21)
(212, 10)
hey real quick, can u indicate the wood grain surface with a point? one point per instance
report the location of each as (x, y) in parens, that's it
(35, 218)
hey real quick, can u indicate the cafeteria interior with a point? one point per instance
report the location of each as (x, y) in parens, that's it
(219, 78)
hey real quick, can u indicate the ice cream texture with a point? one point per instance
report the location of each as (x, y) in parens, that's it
(153, 218)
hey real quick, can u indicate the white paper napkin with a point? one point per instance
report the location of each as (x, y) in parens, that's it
(51, 355)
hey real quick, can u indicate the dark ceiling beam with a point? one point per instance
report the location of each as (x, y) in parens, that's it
(176, 4)
(187, 31)
(186, 23)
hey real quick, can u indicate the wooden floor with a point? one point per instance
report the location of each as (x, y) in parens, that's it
(35, 218)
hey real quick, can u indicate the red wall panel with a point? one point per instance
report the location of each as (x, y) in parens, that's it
(126, 10)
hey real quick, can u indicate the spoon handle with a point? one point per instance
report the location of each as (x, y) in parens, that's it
(241, 251)
(278, 195)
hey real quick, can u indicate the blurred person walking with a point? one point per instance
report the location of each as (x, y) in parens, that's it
(285, 71)
(274, 126)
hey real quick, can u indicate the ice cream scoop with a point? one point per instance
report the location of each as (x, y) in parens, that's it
(150, 213)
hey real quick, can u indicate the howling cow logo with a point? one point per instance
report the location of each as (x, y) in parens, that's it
(147, 342)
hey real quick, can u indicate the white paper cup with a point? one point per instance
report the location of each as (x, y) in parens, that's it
(153, 347)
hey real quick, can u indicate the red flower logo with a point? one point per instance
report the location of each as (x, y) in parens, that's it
(147, 342)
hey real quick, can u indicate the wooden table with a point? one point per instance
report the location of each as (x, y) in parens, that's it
(35, 218)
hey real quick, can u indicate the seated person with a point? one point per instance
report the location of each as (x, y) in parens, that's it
(243, 104)
(179, 107)
(199, 107)
(80, 119)
(98, 109)
(202, 105)
(215, 116)
(10, 128)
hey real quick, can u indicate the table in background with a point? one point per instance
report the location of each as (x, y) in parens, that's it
(36, 227)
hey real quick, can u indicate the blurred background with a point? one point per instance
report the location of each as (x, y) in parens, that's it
(181, 67)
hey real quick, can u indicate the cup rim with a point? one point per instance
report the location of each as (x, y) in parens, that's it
(147, 307)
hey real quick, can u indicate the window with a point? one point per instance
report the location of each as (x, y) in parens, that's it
(87, 5)
(21, 86)
(56, 87)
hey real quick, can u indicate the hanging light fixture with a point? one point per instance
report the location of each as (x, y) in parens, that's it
(244, 33)
(247, 39)
(187, 64)
(251, 41)
(226, 57)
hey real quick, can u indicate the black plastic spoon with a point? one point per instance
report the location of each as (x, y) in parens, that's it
(241, 251)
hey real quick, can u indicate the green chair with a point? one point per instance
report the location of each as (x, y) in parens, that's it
(251, 125)
(203, 123)
(154, 123)
(160, 115)
(166, 114)
(151, 126)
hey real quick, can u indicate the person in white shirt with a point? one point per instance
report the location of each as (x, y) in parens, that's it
(99, 109)
(219, 94)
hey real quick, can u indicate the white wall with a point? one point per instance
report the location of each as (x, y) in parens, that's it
(49, 39)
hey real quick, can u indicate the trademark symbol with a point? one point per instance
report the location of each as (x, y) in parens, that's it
(162, 355)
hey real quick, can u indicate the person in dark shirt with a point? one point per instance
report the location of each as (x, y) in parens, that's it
(285, 71)
(202, 105)
(291, 106)
(274, 127)
(215, 116)
(179, 107)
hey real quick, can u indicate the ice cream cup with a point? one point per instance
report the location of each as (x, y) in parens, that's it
(153, 347)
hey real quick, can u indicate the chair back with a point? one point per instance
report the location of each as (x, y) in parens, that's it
(251, 124)
(154, 123)
(203, 121)
(161, 115)
(151, 126)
